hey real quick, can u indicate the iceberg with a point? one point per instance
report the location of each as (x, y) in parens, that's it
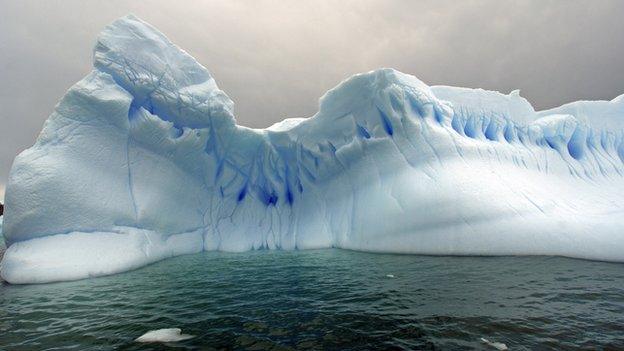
(143, 160)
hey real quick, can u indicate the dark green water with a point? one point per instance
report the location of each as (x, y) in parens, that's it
(327, 299)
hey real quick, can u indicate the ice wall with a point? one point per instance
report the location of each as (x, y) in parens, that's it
(142, 160)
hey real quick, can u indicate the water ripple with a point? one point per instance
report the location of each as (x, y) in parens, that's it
(327, 299)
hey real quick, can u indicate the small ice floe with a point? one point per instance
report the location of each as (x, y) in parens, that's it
(497, 345)
(164, 335)
(390, 275)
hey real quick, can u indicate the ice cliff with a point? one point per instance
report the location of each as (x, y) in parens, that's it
(143, 160)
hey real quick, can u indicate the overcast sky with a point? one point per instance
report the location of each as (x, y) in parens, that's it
(276, 58)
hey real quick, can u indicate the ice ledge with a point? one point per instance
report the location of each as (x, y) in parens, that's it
(79, 255)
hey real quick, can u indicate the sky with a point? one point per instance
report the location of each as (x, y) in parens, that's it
(276, 58)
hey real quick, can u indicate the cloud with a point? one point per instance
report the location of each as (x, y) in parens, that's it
(275, 59)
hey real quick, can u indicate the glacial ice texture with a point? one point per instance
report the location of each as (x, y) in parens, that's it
(143, 160)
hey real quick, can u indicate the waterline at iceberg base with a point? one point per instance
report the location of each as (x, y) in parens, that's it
(143, 160)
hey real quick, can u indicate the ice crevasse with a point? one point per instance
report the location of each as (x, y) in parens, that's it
(143, 159)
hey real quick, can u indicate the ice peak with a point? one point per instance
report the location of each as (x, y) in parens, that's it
(376, 87)
(162, 78)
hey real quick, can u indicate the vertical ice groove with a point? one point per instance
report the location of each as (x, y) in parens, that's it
(130, 185)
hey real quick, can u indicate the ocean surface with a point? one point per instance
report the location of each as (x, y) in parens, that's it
(327, 299)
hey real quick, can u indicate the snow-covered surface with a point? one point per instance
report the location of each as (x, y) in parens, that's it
(143, 159)
(600, 114)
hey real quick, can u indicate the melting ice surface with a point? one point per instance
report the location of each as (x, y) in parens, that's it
(143, 160)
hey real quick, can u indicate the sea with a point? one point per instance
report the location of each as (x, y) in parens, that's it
(327, 300)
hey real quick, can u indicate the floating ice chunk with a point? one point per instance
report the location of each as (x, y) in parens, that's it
(390, 275)
(164, 335)
(497, 345)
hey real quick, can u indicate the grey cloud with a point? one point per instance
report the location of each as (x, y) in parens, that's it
(276, 58)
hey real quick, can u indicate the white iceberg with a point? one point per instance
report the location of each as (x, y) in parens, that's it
(143, 160)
